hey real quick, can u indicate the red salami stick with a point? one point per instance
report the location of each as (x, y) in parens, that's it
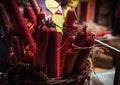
(83, 54)
(67, 70)
(53, 53)
(66, 45)
(68, 24)
(41, 46)
(81, 36)
(30, 14)
(21, 26)
(70, 59)
(69, 20)
(59, 40)
(40, 19)
(35, 6)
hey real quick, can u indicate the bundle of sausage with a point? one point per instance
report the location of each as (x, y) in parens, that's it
(75, 52)
(77, 43)
(48, 50)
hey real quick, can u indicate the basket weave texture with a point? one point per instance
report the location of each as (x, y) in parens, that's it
(27, 75)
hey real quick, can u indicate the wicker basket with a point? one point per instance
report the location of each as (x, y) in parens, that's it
(27, 75)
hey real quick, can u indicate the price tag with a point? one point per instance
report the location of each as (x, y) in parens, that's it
(53, 6)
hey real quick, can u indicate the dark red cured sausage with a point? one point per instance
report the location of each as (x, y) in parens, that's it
(81, 36)
(65, 47)
(83, 54)
(69, 20)
(53, 53)
(40, 20)
(59, 40)
(67, 69)
(21, 27)
(35, 6)
(71, 58)
(68, 24)
(41, 46)
(30, 14)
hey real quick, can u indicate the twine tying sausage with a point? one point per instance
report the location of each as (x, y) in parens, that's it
(72, 33)
(77, 47)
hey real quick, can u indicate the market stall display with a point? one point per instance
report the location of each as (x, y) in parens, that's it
(47, 51)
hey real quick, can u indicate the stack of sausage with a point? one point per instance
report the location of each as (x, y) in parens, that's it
(39, 43)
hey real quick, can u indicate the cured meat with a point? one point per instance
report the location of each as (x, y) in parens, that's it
(19, 22)
(53, 53)
(41, 47)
